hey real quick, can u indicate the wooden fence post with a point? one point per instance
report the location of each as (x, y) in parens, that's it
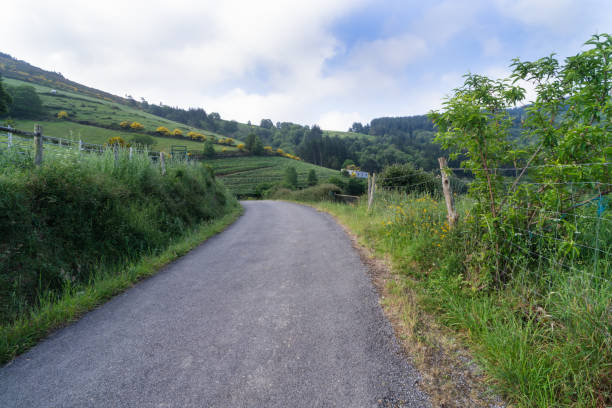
(372, 191)
(10, 139)
(38, 144)
(163, 163)
(448, 194)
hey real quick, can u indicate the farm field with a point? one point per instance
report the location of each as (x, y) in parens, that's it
(241, 175)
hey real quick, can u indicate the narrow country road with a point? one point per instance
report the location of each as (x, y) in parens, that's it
(277, 311)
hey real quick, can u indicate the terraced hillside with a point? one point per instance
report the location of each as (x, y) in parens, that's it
(242, 175)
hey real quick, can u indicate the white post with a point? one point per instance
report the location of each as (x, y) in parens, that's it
(80, 145)
(162, 159)
(10, 139)
(131, 152)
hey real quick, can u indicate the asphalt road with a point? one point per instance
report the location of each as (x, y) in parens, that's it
(277, 311)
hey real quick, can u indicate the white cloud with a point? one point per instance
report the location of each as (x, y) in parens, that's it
(271, 59)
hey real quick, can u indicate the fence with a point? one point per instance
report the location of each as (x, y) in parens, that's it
(36, 144)
(545, 230)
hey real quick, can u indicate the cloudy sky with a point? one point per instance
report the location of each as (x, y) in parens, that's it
(330, 62)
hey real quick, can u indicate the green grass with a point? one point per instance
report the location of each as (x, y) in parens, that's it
(57, 311)
(241, 175)
(544, 339)
(81, 215)
(98, 135)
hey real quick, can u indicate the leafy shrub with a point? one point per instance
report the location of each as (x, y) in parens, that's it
(62, 220)
(321, 192)
(405, 178)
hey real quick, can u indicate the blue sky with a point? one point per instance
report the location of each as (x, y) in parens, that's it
(324, 62)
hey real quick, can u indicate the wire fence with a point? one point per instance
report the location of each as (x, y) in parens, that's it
(23, 143)
(548, 228)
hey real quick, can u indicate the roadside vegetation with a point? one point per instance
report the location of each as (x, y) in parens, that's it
(524, 274)
(82, 227)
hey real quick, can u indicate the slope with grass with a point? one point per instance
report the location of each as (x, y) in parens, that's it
(80, 218)
(242, 175)
(97, 120)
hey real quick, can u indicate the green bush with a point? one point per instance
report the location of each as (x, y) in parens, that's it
(405, 178)
(62, 220)
(321, 192)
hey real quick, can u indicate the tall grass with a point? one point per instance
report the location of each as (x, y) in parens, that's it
(544, 337)
(80, 212)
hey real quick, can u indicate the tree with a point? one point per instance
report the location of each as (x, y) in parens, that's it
(258, 147)
(291, 177)
(136, 126)
(230, 127)
(356, 128)
(266, 124)
(5, 99)
(347, 163)
(26, 102)
(312, 178)
(209, 149)
(62, 115)
(250, 141)
(177, 132)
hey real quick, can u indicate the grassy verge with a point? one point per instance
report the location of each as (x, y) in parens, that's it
(57, 311)
(539, 346)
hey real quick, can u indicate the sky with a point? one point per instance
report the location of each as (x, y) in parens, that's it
(325, 62)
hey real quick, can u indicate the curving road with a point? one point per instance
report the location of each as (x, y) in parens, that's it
(277, 311)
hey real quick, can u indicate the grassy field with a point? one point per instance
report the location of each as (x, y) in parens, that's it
(104, 113)
(241, 175)
(544, 339)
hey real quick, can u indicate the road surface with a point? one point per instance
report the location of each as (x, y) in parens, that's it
(277, 311)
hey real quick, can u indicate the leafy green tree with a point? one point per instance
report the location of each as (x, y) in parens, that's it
(291, 177)
(312, 178)
(26, 102)
(250, 141)
(209, 149)
(258, 147)
(475, 120)
(266, 124)
(5, 99)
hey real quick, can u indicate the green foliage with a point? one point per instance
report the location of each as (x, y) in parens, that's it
(321, 192)
(404, 177)
(209, 149)
(258, 148)
(26, 102)
(291, 177)
(567, 161)
(5, 99)
(312, 178)
(143, 140)
(338, 181)
(355, 186)
(62, 219)
(545, 343)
